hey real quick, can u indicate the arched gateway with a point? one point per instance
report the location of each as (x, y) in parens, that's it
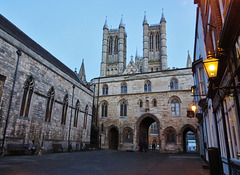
(143, 124)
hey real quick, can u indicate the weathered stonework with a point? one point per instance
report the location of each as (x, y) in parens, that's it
(47, 72)
(160, 84)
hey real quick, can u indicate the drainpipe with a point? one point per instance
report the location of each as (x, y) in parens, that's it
(19, 53)
(70, 124)
(99, 139)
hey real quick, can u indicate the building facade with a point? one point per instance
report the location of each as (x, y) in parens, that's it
(41, 99)
(129, 99)
(217, 36)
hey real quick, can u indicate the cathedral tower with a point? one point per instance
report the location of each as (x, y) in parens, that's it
(113, 50)
(154, 46)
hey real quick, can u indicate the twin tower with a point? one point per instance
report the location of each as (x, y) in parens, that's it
(114, 47)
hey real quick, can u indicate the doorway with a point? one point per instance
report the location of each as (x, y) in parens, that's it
(113, 138)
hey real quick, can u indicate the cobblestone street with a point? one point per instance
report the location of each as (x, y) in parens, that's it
(104, 162)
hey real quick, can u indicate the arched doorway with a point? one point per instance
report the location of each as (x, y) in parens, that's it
(113, 137)
(189, 139)
(143, 124)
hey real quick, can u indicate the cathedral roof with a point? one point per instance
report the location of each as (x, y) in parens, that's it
(15, 32)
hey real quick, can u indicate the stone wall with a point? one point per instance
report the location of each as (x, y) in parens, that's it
(38, 64)
(160, 91)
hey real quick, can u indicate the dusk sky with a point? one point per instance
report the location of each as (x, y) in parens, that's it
(72, 30)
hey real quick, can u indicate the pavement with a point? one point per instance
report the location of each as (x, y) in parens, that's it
(103, 162)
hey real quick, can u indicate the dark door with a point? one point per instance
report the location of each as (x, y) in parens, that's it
(113, 138)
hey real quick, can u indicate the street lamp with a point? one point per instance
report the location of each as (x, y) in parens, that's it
(191, 112)
(211, 66)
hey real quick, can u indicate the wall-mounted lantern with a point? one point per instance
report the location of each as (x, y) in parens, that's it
(211, 66)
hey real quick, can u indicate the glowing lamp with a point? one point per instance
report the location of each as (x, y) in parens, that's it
(211, 66)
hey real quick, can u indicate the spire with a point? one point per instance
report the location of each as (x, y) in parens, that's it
(145, 18)
(163, 18)
(121, 22)
(136, 53)
(81, 73)
(105, 24)
(189, 61)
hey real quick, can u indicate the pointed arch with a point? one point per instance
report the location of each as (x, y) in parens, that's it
(151, 42)
(128, 135)
(64, 111)
(154, 102)
(157, 41)
(147, 86)
(104, 108)
(116, 45)
(124, 88)
(174, 84)
(85, 117)
(105, 89)
(170, 134)
(50, 101)
(27, 96)
(76, 113)
(123, 108)
(110, 45)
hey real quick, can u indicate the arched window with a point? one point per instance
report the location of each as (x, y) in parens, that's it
(174, 84)
(147, 86)
(140, 103)
(105, 90)
(123, 109)
(151, 42)
(128, 135)
(154, 103)
(116, 45)
(124, 88)
(104, 109)
(170, 135)
(110, 45)
(154, 129)
(64, 111)
(85, 117)
(76, 114)
(175, 107)
(50, 100)
(27, 96)
(157, 41)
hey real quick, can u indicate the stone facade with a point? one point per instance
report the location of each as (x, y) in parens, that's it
(160, 91)
(146, 92)
(40, 79)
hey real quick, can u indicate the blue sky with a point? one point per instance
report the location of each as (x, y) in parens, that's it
(72, 30)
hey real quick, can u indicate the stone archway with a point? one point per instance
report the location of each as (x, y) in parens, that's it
(113, 136)
(188, 132)
(143, 124)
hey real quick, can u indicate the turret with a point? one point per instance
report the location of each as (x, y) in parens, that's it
(121, 49)
(163, 39)
(104, 49)
(145, 44)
